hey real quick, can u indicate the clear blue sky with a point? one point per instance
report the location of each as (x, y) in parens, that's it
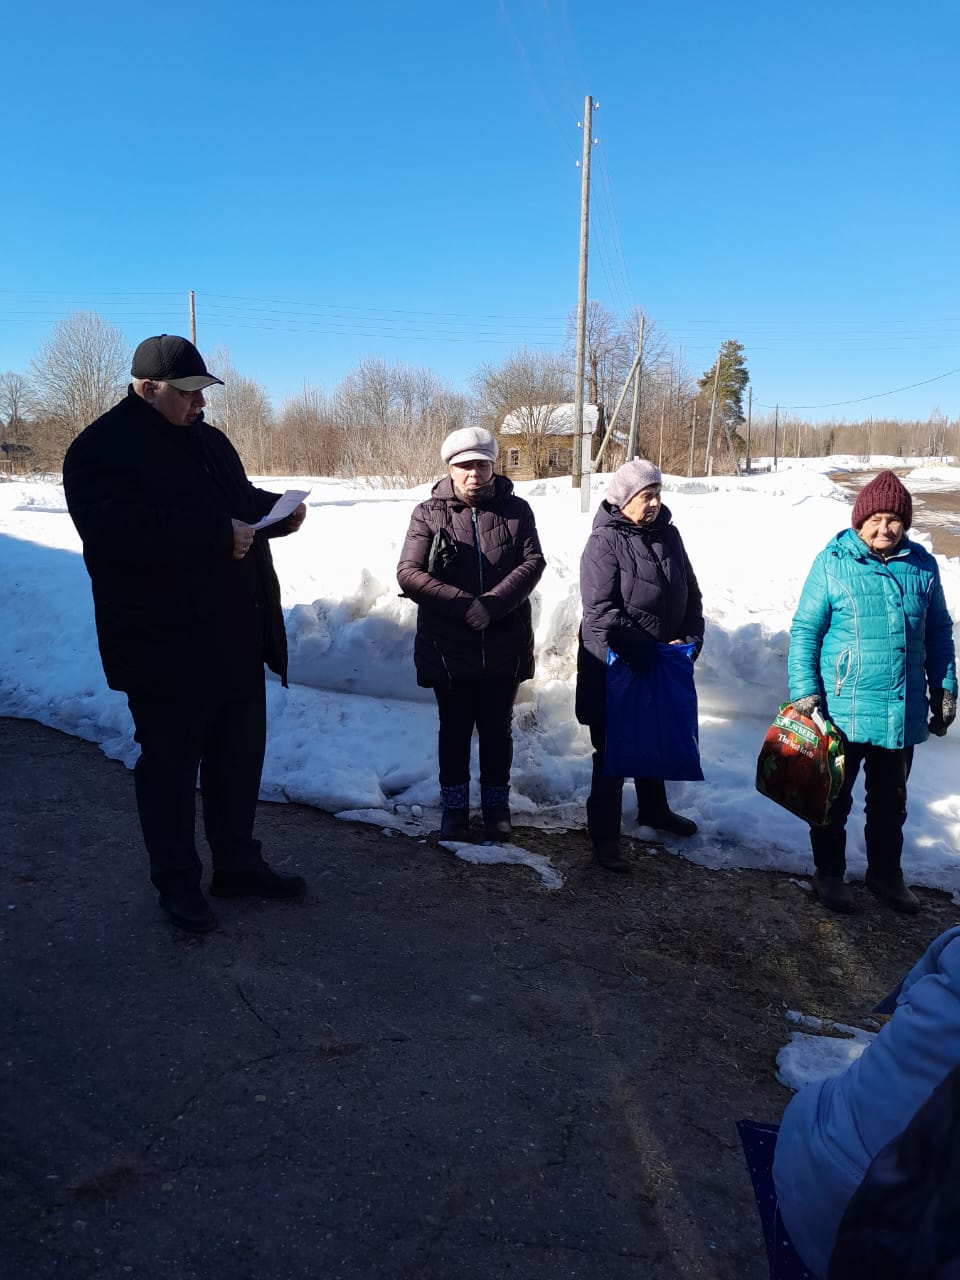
(401, 180)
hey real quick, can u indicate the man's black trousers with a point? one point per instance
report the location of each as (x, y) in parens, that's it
(224, 739)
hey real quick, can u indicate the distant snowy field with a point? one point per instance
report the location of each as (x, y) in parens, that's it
(354, 735)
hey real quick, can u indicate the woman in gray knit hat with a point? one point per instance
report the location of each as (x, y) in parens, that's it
(470, 560)
(638, 588)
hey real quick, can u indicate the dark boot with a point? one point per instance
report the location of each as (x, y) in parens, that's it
(455, 824)
(893, 891)
(455, 819)
(495, 805)
(672, 823)
(834, 893)
(829, 847)
(653, 810)
(611, 858)
(496, 825)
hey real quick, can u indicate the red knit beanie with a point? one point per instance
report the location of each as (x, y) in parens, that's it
(884, 493)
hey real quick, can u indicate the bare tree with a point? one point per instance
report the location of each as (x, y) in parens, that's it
(393, 420)
(308, 439)
(17, 422)
(652, 383)
(241, 408)
(528, 385)
(368, 395)
(78, 374)
(608, 353)
(16, 402)
(611, 348)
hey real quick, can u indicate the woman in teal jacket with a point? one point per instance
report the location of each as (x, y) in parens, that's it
(870, 638)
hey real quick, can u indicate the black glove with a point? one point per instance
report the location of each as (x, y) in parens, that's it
(943, 711)
(808, 705)
(635, 646)
(696, 641)
(478, 616)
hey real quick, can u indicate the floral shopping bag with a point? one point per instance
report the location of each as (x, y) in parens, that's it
(800, 765)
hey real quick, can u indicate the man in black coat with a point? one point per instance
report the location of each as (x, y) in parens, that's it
(188, 610)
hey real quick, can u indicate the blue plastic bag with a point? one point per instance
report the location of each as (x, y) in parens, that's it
(652, 729)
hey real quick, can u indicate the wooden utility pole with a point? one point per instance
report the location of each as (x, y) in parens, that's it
(193, 317)
(776, 426)
(679, 411)
(749, 420)
(632, 441)
(580, 446)
(693, 439)
(595, 465)
(663, 412)
(708, 461)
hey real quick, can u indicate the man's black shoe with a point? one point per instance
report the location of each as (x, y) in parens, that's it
(610, 857)
(257, 882)
(189, 911)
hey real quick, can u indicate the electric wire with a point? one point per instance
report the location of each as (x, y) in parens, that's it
(310, 317)
(878, 395)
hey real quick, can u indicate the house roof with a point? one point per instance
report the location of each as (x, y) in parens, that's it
(551, 419)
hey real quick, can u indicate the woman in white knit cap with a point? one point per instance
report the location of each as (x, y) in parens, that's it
(470, 560)
(638, 589)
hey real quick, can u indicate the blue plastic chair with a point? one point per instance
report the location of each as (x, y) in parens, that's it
(759, 1141)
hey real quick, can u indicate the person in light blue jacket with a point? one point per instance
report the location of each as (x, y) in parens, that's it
(871, 647)
(832, 1130)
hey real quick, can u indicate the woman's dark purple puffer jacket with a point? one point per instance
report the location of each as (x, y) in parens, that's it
(496, 558)
(638, 588)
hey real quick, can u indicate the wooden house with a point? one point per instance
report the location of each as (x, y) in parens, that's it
(537, 441)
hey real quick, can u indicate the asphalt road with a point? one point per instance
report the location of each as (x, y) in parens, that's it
(424, 1069)
(415, 1072)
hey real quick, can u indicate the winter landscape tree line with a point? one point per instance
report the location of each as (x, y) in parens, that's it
(389, 419)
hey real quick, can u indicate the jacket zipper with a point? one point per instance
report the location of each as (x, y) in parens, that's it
(845, 662)
(476, 543)
(843, 670)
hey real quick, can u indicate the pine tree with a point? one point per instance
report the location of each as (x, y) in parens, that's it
(734, 377)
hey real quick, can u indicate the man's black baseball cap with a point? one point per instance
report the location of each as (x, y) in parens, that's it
(167, 358)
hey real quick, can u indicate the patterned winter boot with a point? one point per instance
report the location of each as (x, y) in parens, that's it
(455, 819)
(495, 803)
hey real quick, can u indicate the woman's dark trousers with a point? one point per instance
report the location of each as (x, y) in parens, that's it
(486, 705)
(605, 802)
(222, 737)
(885, 779)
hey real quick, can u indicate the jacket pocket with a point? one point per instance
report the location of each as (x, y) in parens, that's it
(843, 670)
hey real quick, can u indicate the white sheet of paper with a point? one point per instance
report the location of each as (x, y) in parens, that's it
(286, 503)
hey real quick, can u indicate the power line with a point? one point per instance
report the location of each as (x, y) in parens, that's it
(374, 310)
(611, 210)
(277, 315)
(836, 404)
